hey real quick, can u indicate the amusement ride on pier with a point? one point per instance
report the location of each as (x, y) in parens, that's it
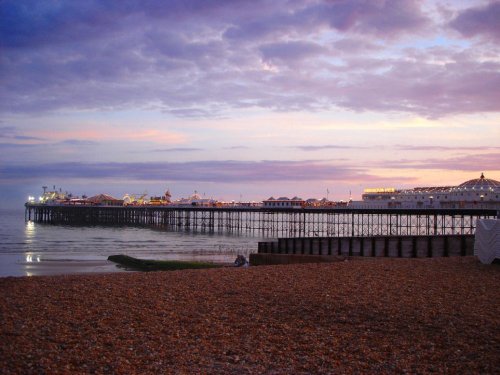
(479, 193)
(419, 211)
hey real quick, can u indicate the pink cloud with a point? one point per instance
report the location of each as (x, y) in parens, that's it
(109, 134)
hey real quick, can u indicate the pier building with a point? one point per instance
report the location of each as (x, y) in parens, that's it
(105, 200)
(283, 202)
(195, 200)
(478, 193)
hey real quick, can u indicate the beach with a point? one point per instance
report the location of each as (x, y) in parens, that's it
(364, 316)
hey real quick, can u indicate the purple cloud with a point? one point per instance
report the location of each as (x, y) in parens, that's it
(483, 20)
(202, 171)
(78, 142)
(13, 147)
(356, 46)
(12, 133)
(26, 24)
(32, 149)
(205, 59)
(290, 51)
(384, 18)
(178, 149)
(478, 162)
(236, 148)
(445, 148)
(430, 90)
(324, 147)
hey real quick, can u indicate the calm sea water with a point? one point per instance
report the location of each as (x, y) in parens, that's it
(28, 248)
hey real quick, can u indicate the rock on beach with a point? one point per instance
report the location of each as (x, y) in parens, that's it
(375, 315)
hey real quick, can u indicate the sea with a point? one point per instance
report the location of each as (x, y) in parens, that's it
(31, 249)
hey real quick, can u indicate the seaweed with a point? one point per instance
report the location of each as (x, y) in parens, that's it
(158, 265)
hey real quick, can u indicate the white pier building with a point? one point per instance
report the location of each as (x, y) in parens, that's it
(480, 192)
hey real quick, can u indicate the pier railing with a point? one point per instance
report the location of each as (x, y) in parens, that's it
(271, 222)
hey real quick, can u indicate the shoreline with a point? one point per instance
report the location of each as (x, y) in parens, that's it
(58, 267)
(54, 267)
(68, 267)
(388, 315)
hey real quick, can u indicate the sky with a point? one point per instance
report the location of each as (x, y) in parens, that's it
(243, 100)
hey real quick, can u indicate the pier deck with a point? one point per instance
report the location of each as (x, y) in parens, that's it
(271, 222)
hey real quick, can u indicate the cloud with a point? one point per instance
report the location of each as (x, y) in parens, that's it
(15, 146)
(27, 138)
(194, 112)
(478, 162)
(178, 149)
(479, 21)
(421, 86)
(12, 133)
(236, 148)
(78, 142)
(202, 171)
(289, 51)
(208, 59)
(324, 147)
(383, 18)
(356, 45)
(388, 18)
(445, 148)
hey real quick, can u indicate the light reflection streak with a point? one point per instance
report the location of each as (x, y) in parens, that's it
(29, 231)
(30, 258)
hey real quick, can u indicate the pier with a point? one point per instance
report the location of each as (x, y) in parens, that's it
(270, 222)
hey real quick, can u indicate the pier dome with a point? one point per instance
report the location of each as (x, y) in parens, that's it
(481, 183)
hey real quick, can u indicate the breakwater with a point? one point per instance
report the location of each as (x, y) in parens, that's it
(271, 222)
(375, 246)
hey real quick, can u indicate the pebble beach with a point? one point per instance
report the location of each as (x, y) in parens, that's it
(437, 315)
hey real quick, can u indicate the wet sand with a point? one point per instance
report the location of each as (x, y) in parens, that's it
(66, 267)
(380, 315)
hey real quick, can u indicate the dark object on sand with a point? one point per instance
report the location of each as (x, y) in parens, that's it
(157, 265)
(241, 261)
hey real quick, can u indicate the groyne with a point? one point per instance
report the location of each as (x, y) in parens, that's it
(374, 246)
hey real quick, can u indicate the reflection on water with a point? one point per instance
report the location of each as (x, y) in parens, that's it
(30, 258)
(27, 247)
(29, 231)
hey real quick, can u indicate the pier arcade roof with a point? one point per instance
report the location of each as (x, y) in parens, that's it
(102, 198)
(481, 183)
(285, 199)
(430, 189)
(478, 184)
